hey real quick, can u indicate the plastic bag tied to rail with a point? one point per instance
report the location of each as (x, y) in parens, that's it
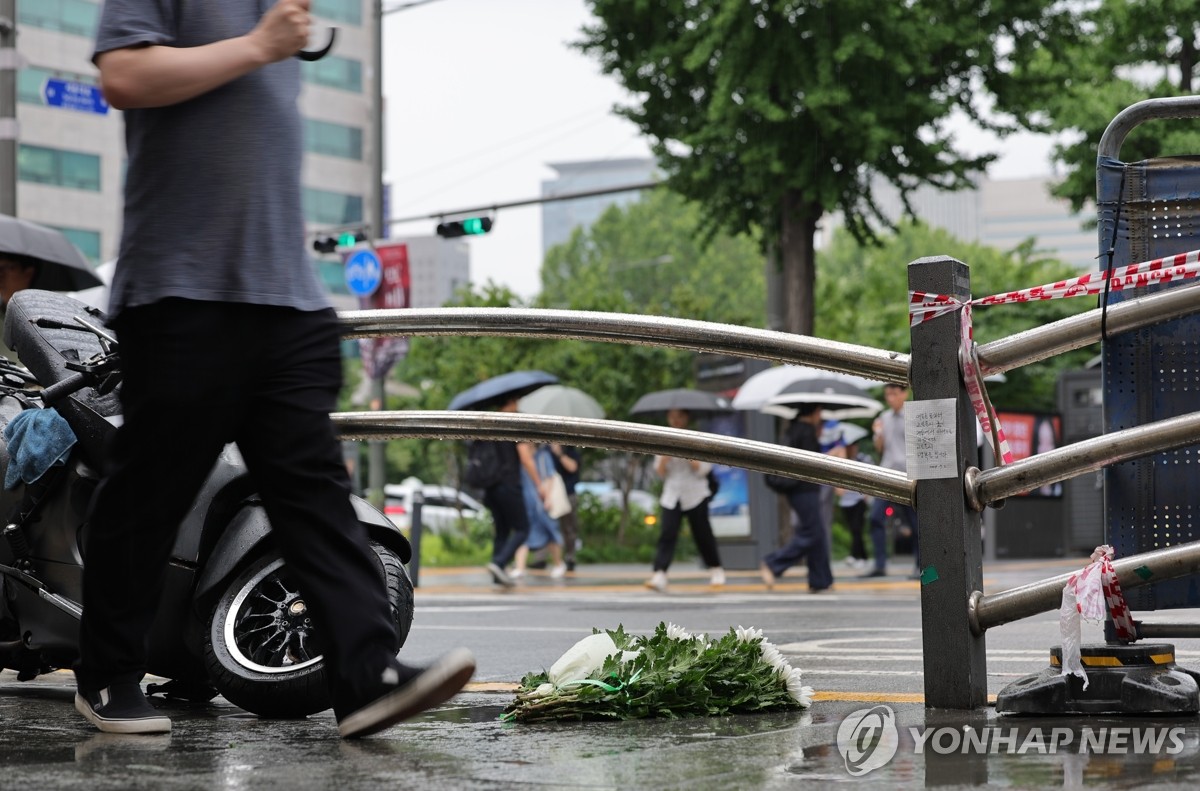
(580, 661)
(1091, 595)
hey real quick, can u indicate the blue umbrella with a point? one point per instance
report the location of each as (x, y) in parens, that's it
(499, 389)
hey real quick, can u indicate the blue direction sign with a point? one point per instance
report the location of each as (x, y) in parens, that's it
(364, 273)
(74, 96)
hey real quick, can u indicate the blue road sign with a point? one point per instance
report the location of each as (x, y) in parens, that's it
(74, 96)
(364, 272)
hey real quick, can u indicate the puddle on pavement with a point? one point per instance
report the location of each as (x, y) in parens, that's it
(979, 750)
(463, 714)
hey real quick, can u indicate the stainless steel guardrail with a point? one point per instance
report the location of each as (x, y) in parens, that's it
(635, 437)
(783, 347)
(1158, 565)
(990, 486)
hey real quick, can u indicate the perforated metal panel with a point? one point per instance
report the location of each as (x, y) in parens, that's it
(1154, 373)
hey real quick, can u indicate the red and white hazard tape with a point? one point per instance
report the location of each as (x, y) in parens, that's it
(923, 306)
(1114, 599)
(1090, 594)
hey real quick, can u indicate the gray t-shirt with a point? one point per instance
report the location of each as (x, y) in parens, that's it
(212, 195)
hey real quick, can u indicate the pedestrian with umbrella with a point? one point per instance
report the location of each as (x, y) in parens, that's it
(34, 256)
(686, 489)
(565, 401)
(809, 541)
(494, 466)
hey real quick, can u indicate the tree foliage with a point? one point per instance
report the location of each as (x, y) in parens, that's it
(642, 258)
(771, 113)
(647, 257)
(1105, 56)
(865, 289)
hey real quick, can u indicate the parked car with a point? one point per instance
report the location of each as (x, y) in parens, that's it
(444, 508)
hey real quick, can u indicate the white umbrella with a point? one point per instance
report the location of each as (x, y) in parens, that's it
(756, 391)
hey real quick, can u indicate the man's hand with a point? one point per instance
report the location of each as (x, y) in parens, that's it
(283, 30)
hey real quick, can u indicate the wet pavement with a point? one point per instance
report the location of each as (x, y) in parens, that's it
(842, 643)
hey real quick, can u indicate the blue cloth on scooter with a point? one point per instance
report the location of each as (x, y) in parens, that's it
(37, 439)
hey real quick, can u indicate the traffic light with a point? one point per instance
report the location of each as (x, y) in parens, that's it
(330, 244)
(467, 226)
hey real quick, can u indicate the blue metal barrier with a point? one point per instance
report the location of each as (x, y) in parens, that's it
(1148, 210)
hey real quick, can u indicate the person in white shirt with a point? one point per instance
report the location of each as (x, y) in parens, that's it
(685, 494)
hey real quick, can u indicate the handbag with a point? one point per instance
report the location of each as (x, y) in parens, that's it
(558, 502)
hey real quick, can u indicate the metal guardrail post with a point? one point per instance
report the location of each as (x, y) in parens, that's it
(948, 529)
(414, 539)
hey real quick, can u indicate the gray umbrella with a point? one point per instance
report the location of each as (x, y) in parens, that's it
(683, 398)
(63, 267)
(562, 401)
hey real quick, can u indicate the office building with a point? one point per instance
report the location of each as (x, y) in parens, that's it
(1000, 213)
(561, 218)
(71, 156)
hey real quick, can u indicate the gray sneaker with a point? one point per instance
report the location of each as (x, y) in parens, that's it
(500, 575)
(121, 708)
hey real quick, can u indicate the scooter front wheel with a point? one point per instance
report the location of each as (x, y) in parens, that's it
(261, 649)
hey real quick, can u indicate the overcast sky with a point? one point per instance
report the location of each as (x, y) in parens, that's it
(481, 94)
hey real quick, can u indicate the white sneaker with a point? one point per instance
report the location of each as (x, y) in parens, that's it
(517, 573)
(717, 576)
(657, 582)
(558, 572)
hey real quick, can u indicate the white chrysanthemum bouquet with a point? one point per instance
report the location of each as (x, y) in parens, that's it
(671, 673)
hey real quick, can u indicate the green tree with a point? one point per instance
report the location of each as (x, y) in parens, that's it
(1106, 56)
(864, 289)
(771, 113)
(647, 257)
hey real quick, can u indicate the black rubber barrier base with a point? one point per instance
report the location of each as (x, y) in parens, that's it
(1122, 679)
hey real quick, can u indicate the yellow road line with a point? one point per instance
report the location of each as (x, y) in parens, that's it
(836, 697)
(876, 697)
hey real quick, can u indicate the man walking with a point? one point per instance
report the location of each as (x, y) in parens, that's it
(226, 335)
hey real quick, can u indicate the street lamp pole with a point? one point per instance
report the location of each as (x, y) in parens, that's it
(8, 107)
(376, 450)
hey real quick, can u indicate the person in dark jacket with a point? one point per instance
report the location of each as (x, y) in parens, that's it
(505, 498)
(808, 541)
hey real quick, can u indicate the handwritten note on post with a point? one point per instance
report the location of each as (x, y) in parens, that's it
(929, 439)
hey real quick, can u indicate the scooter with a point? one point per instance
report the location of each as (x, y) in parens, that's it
(231, 619)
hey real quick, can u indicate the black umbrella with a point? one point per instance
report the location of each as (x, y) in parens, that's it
(832, 394)
(63, 267)
(683, 398)
(499, 389)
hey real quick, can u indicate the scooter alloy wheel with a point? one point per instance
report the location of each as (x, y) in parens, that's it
(262, 649)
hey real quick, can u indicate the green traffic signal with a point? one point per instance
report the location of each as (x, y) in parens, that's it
(468, 226)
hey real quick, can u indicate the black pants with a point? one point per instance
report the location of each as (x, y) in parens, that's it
(506, 501)
(856, 516)
(197, 376)
(702, 534)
